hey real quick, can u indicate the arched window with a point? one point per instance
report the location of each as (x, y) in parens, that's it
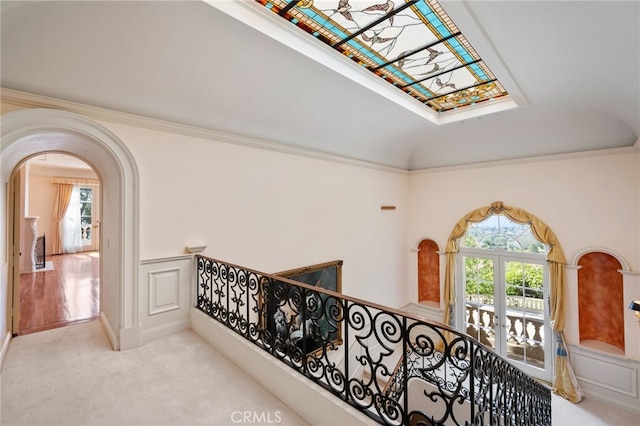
(502, 292)
(564, 382)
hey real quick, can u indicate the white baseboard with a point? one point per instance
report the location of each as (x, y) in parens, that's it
(165, 330)
(113, 339)
(130, 337)
(5, 347)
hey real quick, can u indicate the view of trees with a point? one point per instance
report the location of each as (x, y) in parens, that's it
(86, 195)
(499, 231)
(522, 279)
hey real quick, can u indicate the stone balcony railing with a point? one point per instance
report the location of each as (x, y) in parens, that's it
(524, 329)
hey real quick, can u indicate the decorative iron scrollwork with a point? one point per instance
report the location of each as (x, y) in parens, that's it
(395, 367)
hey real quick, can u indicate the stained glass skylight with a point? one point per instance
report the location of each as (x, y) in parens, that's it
(412, 44)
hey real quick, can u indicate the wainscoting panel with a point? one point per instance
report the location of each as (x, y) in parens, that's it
(607, 377)
(165, 286)
(164, 290)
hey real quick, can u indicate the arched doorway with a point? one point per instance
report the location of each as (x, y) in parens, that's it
(502, 291)
(59, 282)
(26, 133)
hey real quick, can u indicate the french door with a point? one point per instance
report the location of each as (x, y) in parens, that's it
(503, 304)
(89, 217)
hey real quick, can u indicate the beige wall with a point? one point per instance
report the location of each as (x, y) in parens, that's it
(272, 211)
(589, 201)
(269, 210)
(42, 195)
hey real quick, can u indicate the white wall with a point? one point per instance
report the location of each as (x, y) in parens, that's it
(270, 211)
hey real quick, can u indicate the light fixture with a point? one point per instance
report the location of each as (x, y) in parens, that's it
(635, 306)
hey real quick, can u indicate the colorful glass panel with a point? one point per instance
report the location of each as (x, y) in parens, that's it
(412, 44)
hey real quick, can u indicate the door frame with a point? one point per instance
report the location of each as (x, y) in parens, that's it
(28, 132)
(95, 217)
(18, 201)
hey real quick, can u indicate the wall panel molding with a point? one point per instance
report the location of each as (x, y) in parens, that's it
(609, 378)
(165, 289)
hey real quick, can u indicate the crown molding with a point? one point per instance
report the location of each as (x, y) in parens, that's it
(551, 157)
(32, 100)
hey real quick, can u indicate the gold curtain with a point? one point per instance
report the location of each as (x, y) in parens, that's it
(564, 381)
(63, 197)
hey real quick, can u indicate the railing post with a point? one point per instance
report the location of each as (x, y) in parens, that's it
(226, 298)
(405, 377)
(210, 307)
(472, 379)
(490, 384)
(347, 350)
(248, 282)
(304, 330)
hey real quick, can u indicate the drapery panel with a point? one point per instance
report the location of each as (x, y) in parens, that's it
(71, 228)
(564, 381)
(63, 197)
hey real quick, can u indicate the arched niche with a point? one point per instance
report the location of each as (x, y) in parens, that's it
(601, 303)
(428, 272)
(29, 132)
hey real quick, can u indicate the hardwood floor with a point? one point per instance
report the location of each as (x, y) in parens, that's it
(65, 295)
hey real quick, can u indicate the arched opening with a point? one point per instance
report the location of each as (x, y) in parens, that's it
(601, 303)
(59, 205)
(428, 272)
(27, 133)
(564, 382)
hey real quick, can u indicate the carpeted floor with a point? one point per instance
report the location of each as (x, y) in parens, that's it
(70, 376)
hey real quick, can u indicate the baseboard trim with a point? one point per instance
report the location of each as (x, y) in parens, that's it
(113, 339)
(130, 338)
(165, 330)
(5, 348)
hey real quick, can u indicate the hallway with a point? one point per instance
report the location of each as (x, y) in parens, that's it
(67, 294)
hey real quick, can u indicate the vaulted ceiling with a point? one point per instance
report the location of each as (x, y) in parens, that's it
(571, 67)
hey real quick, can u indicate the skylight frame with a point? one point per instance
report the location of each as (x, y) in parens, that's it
(479, 85)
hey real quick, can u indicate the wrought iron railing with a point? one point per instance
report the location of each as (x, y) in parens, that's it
(397, 368)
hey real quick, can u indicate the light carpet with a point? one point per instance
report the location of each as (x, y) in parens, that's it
(70, 376)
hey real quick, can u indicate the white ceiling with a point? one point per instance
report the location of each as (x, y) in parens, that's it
(574, 67)
(56, 160)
